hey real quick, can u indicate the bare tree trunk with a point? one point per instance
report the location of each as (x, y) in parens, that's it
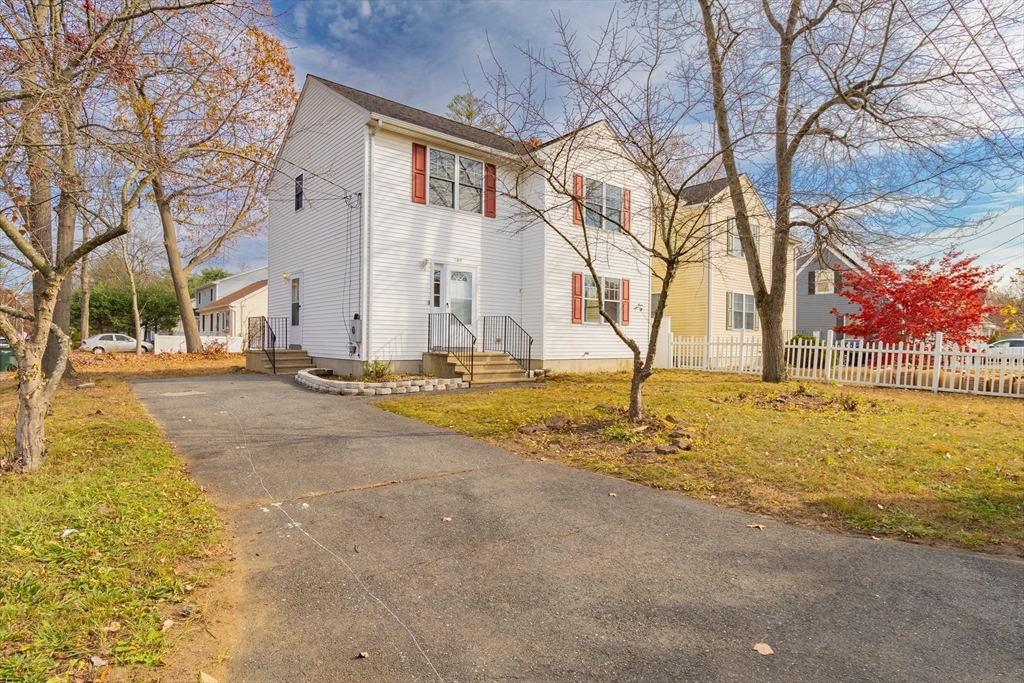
(86, 288)
(179, 277)
(130, 268)
(29, 441)
(70, 186)
(641, 372)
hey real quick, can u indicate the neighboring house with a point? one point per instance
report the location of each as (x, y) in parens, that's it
(382, 215)
(228, 315)
(714, 297)
(818, 276)
(215, 321)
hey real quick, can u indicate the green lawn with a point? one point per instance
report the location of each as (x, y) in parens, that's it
(940, 468)
(143, 540)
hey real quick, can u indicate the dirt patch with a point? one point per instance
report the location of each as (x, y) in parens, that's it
(803, 398)
(204, 633)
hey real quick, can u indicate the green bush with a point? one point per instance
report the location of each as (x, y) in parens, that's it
(806, 356)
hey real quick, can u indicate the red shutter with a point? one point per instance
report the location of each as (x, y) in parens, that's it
(577, 297)
(419, 173)
(577, 191)
(625, 211)
(625, 302)
(490, 190)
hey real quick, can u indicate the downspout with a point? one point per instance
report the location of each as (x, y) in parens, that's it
(368, 242)
(707, 329)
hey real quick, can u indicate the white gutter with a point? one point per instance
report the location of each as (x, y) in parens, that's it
(430, 135)
(707, 329)
(368, 239)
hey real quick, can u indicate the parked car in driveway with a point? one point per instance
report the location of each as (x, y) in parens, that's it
(111, 343)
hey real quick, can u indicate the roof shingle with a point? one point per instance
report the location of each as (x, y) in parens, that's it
(418, 117)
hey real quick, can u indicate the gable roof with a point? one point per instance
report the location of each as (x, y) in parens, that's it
(807, 258)
(403, 112)
(235, 296)
(703, 192)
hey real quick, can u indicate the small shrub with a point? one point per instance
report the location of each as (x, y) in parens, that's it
(377, 371)
(621, 433)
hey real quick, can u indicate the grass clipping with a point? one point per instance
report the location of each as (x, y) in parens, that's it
(108, 540)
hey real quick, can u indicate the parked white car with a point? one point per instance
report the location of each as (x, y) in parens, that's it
(1006, 347)
(111, 343)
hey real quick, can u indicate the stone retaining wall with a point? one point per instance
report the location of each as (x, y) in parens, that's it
(309, 379)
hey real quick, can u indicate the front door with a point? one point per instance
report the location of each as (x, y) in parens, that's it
(295, 329)
(453, 290)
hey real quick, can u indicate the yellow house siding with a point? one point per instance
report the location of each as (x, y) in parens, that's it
(688, 300)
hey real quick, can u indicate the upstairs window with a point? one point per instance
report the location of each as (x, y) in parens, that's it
(456, 182)
(442, 178)
(823, 281)
(603, 205)
(298, 192)
(600, 205)
(733, 245)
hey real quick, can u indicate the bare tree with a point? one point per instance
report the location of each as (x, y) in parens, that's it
(874, 120)
(60, 59)
(206, 111)
(663, 225)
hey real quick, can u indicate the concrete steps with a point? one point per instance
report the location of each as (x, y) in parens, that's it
(489, 367)
(288, 361)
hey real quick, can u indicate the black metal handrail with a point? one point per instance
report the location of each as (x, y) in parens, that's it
(265, 334)
(445, 332)
(502, 333)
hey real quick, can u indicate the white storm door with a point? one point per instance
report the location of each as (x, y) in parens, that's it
(460, 288)
(295, 314)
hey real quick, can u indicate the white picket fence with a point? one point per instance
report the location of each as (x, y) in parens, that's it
(928, 366)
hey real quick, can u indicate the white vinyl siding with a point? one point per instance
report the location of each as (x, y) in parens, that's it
(326, 143)
(615, 255)
(410, 240)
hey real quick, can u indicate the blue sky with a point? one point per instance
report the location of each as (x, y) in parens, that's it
(423, 53)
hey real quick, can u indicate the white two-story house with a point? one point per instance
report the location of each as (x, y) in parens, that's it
(394, 232)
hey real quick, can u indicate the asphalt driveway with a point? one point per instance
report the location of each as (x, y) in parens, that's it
(446, 559)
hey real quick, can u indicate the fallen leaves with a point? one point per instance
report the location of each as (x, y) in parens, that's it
(446, 519)
(113, 627)
(98, 661)
(364, 655)
(764, 649)
(168, 623)
(759, 527)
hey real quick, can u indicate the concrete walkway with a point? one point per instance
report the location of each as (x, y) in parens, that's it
(446, 559)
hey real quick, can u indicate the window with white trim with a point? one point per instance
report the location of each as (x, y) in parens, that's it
(611, 289)
(603, 205)
(733, 245)
(455, 181)
(824, 281)
(742, 312)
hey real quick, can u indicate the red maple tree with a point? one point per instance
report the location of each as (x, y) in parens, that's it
(912, 303)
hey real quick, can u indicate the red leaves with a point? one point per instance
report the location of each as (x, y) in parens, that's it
(913, 303)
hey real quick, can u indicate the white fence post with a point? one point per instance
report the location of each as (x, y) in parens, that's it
(830, 339)
(742, 332)
(937, 362)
